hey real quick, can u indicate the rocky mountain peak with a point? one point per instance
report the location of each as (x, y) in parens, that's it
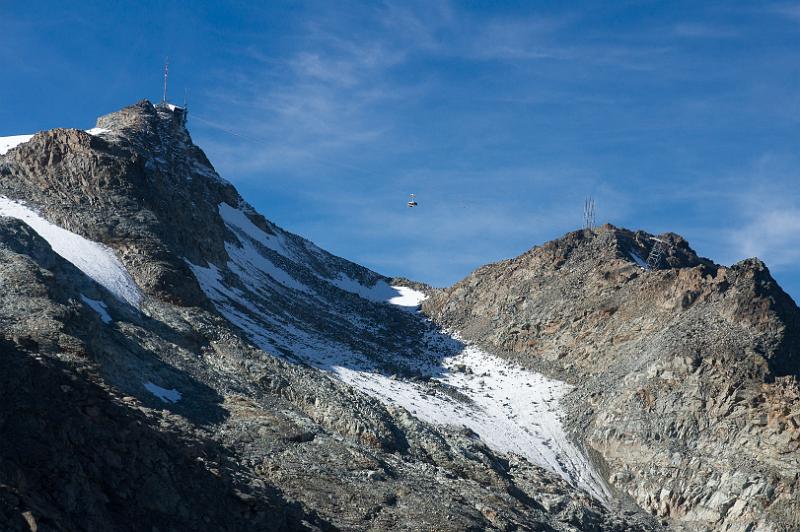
(141, 289)
(610, 243)
(144, 116)
(679, 367)
(294, 388)
(604, 273)
(137, 183)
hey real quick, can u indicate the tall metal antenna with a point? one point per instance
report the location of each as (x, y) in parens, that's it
(166, 73)
(588, 213)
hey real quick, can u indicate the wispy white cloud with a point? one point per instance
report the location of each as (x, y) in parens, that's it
(444, 32)
(320, 104)
(752, 212)
(788, 10)
(773, 236)
(327, 122)
(335, 96)
(703, 31)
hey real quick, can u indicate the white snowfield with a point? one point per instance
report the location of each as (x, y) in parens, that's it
(407, 297)
(167, 396)
(7, 143)
(94, 259)
(510, 408)
(381, 292)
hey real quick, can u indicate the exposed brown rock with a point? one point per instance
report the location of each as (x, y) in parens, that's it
(685, 375)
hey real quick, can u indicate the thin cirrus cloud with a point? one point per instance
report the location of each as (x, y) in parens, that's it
(323, 102)
(464, 108)
(772, 236)
(332, 96)
(501, 116)
(787, 10)
(704, 31)
(767, 202)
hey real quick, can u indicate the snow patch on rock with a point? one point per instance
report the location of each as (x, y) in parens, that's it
(94, 259)
(254, 269)
(7, 143)
(234, 304)
(407, 297)
(99, 307)
(167, 396)
(236, 218)
(512, 410)
(380, 292)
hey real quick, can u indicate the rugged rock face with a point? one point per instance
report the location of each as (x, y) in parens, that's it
(209, 402)
(174, 411)
(687, 374)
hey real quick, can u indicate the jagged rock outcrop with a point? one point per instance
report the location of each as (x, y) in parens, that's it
(687, 373)
(173, 412)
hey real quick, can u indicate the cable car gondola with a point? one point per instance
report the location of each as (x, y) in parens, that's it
(411, 201)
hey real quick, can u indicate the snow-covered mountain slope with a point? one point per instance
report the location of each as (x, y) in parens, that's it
(511, 409)
(94, 259)
(296, 389)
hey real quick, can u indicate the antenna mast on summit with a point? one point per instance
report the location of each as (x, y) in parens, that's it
(588, 214)
(166, 72)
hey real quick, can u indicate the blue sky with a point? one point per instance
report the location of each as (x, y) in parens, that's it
(500, 116)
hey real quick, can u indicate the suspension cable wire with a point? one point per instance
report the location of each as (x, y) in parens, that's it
(255, 139)
(262, 141)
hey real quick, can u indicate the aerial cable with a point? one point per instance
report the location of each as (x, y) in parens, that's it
(412, 202)
(259, 140)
